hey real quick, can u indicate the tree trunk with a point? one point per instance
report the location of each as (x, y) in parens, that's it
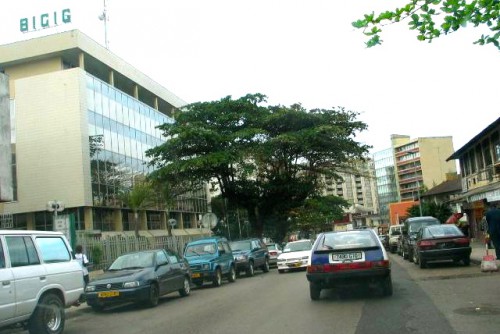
(136, 218)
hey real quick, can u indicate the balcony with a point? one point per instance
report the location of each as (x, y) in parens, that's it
(484, 177)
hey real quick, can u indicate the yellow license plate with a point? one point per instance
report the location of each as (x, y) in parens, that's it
(196, 275)
(298, 264)
(107, 294)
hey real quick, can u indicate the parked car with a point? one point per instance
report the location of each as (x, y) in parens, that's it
(343, 259)
(393, 235)
(139, 277)
(295, 256)
(274, 251)
(40, 278)
(250, 254)
(444, 242)
(210, 259)
(411, 226)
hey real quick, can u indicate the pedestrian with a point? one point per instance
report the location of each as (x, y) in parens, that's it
(493, 221)
(84, 262)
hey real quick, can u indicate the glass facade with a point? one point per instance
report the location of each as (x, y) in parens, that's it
(121, 130)
(387, 187)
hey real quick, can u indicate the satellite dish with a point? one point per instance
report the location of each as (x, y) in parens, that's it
(172, 222)
(209, 220)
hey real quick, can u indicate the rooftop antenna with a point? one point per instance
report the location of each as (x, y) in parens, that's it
(104, 17)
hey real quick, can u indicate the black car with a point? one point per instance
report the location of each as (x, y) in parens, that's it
(140, 277)
(410, 228)
(441, 243)
(250, 254)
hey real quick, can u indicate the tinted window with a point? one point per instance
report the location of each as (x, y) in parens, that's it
(441, 231)
(2, 257)
(346, 240)
(53, 249)
(241, 245)
(22, 251)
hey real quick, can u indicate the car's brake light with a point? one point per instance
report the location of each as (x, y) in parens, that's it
(462, 241)
(333, 267)
(425, 244)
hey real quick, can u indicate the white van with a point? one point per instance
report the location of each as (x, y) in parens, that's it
(39, 277)
(393, 235)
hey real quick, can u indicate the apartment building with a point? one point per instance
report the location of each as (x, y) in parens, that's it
(417, 164)
(82, 121)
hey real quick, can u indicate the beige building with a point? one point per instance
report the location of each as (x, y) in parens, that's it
(83, 120)
(421, 163)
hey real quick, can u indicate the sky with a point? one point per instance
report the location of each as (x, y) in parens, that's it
(292, 51)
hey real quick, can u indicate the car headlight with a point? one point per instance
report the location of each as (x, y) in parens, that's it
(133, 284)
(205, 266)
(305, 257)
(281, 260)
(90, 288)
(241, 257)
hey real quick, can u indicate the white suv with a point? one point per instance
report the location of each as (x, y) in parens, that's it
(39, 277)
(393, 235)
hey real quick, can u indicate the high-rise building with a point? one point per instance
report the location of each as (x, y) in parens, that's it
(82, 122)
(416, 164)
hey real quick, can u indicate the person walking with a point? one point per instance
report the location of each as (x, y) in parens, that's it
(493, 221)
(84, 262)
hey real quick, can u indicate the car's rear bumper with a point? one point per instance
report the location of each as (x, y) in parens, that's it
(348, 277)
(445, 254)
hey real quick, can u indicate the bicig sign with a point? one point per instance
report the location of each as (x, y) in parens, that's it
(45, 20)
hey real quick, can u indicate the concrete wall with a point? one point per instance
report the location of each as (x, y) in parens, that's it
(433, 154)
(52, 142)
(6, 193)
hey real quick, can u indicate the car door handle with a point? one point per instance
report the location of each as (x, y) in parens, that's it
(43, 278)
(5, 283)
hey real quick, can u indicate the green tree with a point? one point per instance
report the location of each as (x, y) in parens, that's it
(139, 197)
(440, 211)
(267, 160)
(434, 18)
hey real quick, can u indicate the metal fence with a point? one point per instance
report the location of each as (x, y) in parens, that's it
(102, 251)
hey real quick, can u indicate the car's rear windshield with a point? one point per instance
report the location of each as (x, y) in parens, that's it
(348, 240)
(415, 226)
(442, 231)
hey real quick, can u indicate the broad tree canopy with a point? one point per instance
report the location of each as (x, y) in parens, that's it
(267, 159)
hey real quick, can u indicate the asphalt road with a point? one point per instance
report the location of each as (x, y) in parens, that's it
(442, 299)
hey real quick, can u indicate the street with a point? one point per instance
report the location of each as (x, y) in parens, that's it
(441, 299)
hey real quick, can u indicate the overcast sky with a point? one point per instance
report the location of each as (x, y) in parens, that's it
(294, 52)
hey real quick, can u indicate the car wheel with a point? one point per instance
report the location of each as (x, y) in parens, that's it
(466, 261)
(415, 258)
(422, 262)
(410, 255)
(48, 317)
(281, 271)
(387, 286)
(405, 254)
(250, 269)
(265, 267)
(217, 280)
(231, 277)
(154, 295)
(314, 291)
(186, 288)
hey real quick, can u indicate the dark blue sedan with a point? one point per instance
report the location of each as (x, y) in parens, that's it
(140, 277)
(341, 259)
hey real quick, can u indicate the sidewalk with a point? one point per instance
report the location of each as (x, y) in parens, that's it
(478, 251)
